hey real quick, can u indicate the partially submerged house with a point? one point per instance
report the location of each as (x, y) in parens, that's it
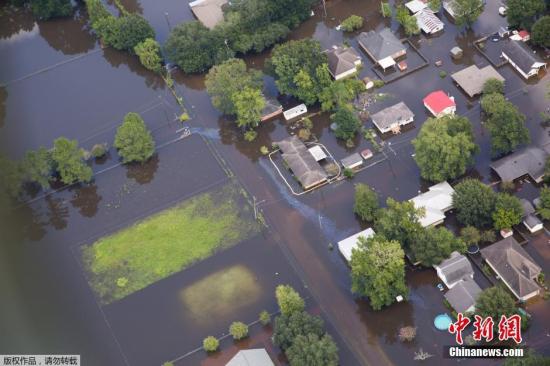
(439, 103)
(392, 118)
(530, 219)
(415, 6)
(436, 202)
(514, 266)
(295, 112)
(428, 21)
(353, 161)
(248, 357)
(347, 245)
(208, 12)
(472, 79)
(342, 61)
(383, 47)
(271, 109)
(463, 296)
(528, 161)
(522, 58)
(301, 162)
(454, 269)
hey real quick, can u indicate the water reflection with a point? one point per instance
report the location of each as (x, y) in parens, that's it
(15, 21)
(86, 200)
(33, 225)
(143, 173)
(117, 58)
(3, 99)
(58, 212)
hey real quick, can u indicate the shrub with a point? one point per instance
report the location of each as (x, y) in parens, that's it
(99, 150)
(307, 123)
(289, 300)
(210, 344)
(487, 236)
(352, 23)
(264, 150)
(148, 52)
(470, 235)
(385, 9)
(348, 173)
(265, 318)
(133, 140)
(238, 330)
(378, 83)
(443, 74)
(407, 334)
(507, 186)
(250, 135)
(304, 134)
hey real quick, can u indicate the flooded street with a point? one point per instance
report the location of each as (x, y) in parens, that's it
(56, 80)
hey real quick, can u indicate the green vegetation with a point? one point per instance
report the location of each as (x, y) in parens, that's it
(474, 203)
(38, 167)
(487, 236)
(541, 32)
(443, 74)
(407, 21)
(250, 135)
(148, 52)
(289, 300)
(249, 104)
(544, 208)
(133, 140)
(46, 9)
(385, 9)
(467, 11)
(11, 178)
(378, 270)
(507, 186)
(366, 202)
(348, 173)
(495, 302)
(264, 318)
(434, 5)
(530, 359)
(98, 150)
(210, 344)
(436, 244)
(68, 161)
(444, 148)
(493, 85)
(470, 235)
(352, 23)
(347, 123)
(522, 13)
(288, 327)
(340, 93)
(508, 211)
(167, 242)
(312, 350)
(399, 222)
(238, 330)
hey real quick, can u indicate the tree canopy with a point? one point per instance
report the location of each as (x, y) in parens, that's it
(288, 327)
(435, 245)
(366, 202)
(133, 140)
(521, 13)
(148, 52)
(407, 21)
(289, 300)
(474, 203)
(541, 32)
(347, 123)
(339, 93)
(46, 9)
(399, 221)
(467, 11)
(68, 161)
(312, 350)
(351, 23)
(38, 166)
(378, 270)
(493, 85)
(444, 148)
(544, 207)
(249, 104)
(495, 302)
(508, 211)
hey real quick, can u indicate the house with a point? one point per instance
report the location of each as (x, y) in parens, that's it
(353, 161)
(301, 162)
(454, 269)
(295, 112)
(208, 12)
(342, 62)
(521, 57)
(392, 118)
(436, 202)
(248, 357)
(428, 21)
(514, 266)
(415, 6)
(383, 47)
(472, 78)
(530, 219)
(527, 161)
(439, 103)
(271, 109)
(347, 245)
(463, 296)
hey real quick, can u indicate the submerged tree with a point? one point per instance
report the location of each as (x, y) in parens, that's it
(467, 11)
(289, 300)
(46, 9)
(474, 203)
(69, 163)
(133, 140)
(249, 104)
(288, 327)
(521, 13)
(347, 123)
(38, 166)
(400, 221)
(313, 350)
(148, 52)
(366, 202)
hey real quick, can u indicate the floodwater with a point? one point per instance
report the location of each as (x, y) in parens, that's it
(56, 81)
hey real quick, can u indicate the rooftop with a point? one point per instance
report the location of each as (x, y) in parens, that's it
(428, 21)
(303, 165)
(395, 114)
(380, 44)
(208, 12)
(457, 267)
(527, 161)
(347, 245)
(463, 295)
(472, 78)
(416, 5)
(521, 54)
(251, 357)
(341, 60)
(438, 101)
(437, 201)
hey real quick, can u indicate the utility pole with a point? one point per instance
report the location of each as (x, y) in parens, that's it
(168, 21)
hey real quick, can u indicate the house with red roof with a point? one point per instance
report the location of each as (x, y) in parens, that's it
(439, 103)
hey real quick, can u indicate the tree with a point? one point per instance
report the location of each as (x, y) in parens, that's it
(541, 32)
(467, 11)
(400, 222)
(46, 9)
(210, 344)
(508, 211)
(495, 302)
(238, 330)
(288, 327)
(131, 30)
(249, 104)
(264, 318)
(378, 270)
(470, 235)
(289, 300)
(38, 167)
(385, 9)
(11, 178)
(133, 140)
(366, 202)
(435, 245)
(407, 21)
(223, 81)
(434, 5)
(521, 13)
(544, 207)
(67, 158)
(96, 11)
(493, 85)
(347, 123)
(474, 203)
(148, 52)
(444, 148)
(312, 350)
(352, 23)
(340, 93)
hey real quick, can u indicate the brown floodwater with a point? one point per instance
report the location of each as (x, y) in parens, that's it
(55, 81)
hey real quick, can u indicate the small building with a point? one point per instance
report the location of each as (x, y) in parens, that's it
(366, 154)
(456, 53)
(514, 266)
(454, 269)
(347, 245)
(528, 161)
(522, 58)
(439, 103)
(301, 162)
(353, 161)
(530, 220)
(521, 35)
(472, 79)
(383, 47)
(463, 296)
(428, 21)
(436, 202)
(369, 84)
(271, 109)
(208, 12)
(247, 357)
(392, 118)
(295, 112)
(342, 61)
(317, 153)
(402, 65)
(415, 6)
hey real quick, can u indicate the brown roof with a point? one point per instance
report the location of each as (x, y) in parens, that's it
(342, 59)
(208, 12)
(304, 166)
(514, 265)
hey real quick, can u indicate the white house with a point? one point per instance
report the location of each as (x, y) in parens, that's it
(392, 118)
(428, 21)
(347, 245)
(521, 57)
(454, 269)
(436, 202)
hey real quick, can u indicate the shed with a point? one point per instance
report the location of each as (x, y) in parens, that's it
(392, 118)
(353, 161)
(317, 152)
(454, 269)
(248, 357)
(456, 52)
(463, 296)
(208, 12)
(472, 78)
(347, 245)
(295, 112)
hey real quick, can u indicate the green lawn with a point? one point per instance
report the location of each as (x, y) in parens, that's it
(167, 242)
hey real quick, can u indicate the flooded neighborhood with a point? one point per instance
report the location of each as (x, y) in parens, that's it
(275, 182)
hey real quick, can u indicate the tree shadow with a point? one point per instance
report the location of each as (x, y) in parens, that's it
(86, 200)
(143, 173)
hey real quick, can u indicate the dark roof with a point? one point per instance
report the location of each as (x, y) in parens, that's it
(528, 208)
(342, 59)
(380, 44)
(353, 159)
(514, 265)
(521, 54)
(397, 113)
(527, 161)
(271, 106)
(457, 267)
(463, 295)
(532, 221)
(301, 162)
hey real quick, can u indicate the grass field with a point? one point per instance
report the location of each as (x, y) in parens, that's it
(167, 242)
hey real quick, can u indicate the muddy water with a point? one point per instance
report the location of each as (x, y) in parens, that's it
(56, 80)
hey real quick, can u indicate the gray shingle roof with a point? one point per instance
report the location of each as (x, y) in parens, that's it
(301, 162)
(342, 59)
(380, 44)
(527, 161)
(397, 113)
(457, 267)
(472, 78)
(463, 295)
(520, 54)
(514, 265)
(532, 221)
(527, 207)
